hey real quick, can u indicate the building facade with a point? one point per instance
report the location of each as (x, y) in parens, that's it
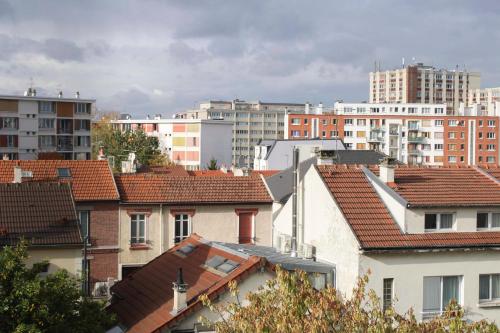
(419, 83)
(488, 100)
(33, 127)
(252, 122)
(191, 143)
(411, 133)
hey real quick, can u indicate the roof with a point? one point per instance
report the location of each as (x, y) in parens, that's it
(356, 156)
(176, 170)
(90, 180)
(284, 260)
(282, 147)
(47, 98)
(41, 213)
(373, 225)
(215, 173)
(437, 187)
(143, 300)
(157, 188)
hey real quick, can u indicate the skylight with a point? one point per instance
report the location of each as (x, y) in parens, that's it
(222, 264)
(63, 172)
(186, 249)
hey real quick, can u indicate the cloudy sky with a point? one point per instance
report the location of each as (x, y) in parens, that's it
(146, 57)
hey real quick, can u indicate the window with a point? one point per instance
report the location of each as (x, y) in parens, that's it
(46, 107)
(490, 159)
(84, 217)
(182, 227)
(490, 147)
(334, 121)
(388, 293)
(452, 135)
(489, 287)
(438, 292)
(490, 135)
(137, 229)
(323, 134)
(452, 159)
(360, 134)
(63, 172)
(438, 110)
(438, 146)
(452, 123)
(348, 134)
(438, 221)
(491, 123)
(46, 123)
(305, 121)
(348, 121)
(324, 122)
(480, 123)
(82, 108)
(295, 134)
(438, 122)
(361, 122)
(84, 141)
(295, 121)
(8, 122)
(334, 134)
(486, 220)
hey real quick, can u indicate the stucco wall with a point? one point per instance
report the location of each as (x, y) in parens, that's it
(68, 259)
(409, 269)
(326, 229)
(215, 142)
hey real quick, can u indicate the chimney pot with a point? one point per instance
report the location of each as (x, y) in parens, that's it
(18, 175)
(180, 289)
(386, 169)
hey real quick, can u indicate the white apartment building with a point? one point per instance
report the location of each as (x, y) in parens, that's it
(488, 99)
(418, 83)
(252, 122)
(34, 127)
(412, 133)
(191, 143)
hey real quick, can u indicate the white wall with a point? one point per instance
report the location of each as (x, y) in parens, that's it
(409, 269)
(215, 142)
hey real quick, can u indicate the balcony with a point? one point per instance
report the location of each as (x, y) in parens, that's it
(377, 129)
(416, 139)
(413, 127)
(415, 152)
(376, 138)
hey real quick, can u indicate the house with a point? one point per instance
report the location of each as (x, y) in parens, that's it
(158, 211)
(43, 215)
(427, 235)
(162, 296)
(96, 200)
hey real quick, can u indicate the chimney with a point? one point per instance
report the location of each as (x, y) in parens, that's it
(386, 169)
(307, 108)
(101, 155)
(5, 157)
(18, 175)
(60, 95)
(180, 289)
(33, 93)
(77, 94)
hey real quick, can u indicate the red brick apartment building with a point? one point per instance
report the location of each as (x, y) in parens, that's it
(412, 133)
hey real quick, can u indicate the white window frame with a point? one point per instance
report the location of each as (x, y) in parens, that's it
(431, 314)
(81, 108)
(348, 121)
(182, 235)
(384, 295)
(438, 221)
(87, 223)
(490, 289)
(137, 216)
(295, 121)
(490, 221)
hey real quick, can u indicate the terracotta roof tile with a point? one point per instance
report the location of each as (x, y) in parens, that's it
(371, 221)
(143, 188)
(41, 213)
(214, 173)
(90, 180)
(143, 301)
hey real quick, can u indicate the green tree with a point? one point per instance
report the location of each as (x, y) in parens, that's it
(29, 303)
(289, 303)
(119, 144)
(212, 165)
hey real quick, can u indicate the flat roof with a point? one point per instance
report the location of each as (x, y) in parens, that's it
(45, 98)
(171, 120)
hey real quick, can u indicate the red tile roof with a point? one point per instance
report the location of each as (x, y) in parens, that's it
(143, 301)
(214, 173)
(90, 180)
(373, 225)
(156, 188)
(445, 186)
(42, 213)
(176, 170)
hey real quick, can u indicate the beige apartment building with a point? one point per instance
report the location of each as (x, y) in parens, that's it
(252, 122)
(488, 99)
(419, 83)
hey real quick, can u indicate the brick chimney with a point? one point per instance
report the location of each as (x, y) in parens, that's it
(386, 168)
(180, 289)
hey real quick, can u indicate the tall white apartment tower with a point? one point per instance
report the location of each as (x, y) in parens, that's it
(252, 122)
(418, 83)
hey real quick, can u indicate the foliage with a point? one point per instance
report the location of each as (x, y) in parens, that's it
(120, 144)
(31, 304)
(289, 303)
(212, 165)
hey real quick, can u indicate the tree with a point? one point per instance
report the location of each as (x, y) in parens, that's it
(29, 303)
(212, 165)
(289, 303)
(119, 144)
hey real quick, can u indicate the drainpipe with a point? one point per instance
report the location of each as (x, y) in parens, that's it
(293, 252)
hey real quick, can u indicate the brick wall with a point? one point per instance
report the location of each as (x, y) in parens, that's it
(103, 264)
(104, 224)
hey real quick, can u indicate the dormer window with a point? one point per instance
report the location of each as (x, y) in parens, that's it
(485, 221)
(438, 221)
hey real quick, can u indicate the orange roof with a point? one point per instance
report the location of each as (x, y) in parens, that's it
(90, 180)
(156, 188)
(143, 300)
(373, 225)
(175, 170)
(214, 173)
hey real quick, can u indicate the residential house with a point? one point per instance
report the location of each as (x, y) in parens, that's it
(144, 301)
(44, 216)
(158, 211)
(96, 200)
(424, 235)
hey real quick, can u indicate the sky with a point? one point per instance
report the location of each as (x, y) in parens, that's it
(161, 57)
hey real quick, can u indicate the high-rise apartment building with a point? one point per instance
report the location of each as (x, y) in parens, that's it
(252, 122)
(488, 99)
(33, 127)
(419, 83)
(411, 133)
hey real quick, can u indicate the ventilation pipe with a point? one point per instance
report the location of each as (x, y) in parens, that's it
(180, 290)
(293, 251)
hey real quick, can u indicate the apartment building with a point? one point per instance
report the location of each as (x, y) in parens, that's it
(419, 83)
(33, 127)
(488, 99)
(411, 133)
(252, 122)
(424, 235)
(191, 143)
